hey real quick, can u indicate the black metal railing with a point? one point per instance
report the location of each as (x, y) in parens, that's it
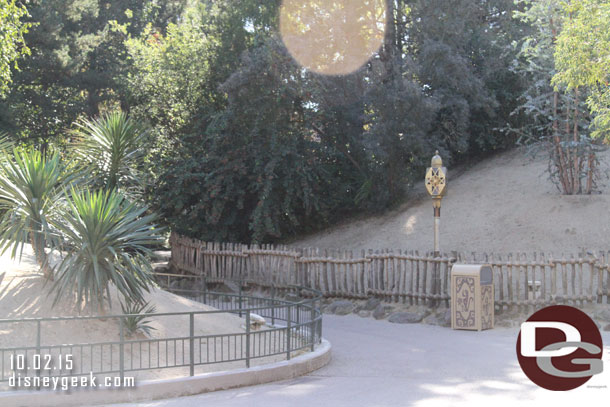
(294, 323)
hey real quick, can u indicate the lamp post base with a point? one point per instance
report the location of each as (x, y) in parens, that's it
(436, 273)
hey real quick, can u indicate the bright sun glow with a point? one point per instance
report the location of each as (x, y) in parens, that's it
(333, 37)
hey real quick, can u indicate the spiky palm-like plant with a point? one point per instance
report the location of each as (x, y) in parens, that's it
(112, 145)
(31, 186)
(108, 239)
(135, 321)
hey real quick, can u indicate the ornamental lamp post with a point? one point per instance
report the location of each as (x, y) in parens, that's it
(436, 184)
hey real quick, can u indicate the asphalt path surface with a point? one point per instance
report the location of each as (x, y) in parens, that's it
(377, 363)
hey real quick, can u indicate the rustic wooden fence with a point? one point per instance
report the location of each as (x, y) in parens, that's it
(398, 275)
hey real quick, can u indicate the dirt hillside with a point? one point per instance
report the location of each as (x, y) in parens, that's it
(24, 293)
(503, 204)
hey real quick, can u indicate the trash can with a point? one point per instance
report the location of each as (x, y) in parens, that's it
(472, 297)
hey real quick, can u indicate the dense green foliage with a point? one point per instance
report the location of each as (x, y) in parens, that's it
(583, 58)
(76, 63)
(253, 147)
(555, 116)
(246, 144)
(12, 29)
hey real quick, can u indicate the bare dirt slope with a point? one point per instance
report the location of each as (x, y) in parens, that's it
(24, 293)
(503, 204)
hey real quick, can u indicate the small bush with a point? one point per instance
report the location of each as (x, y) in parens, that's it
(135, 323)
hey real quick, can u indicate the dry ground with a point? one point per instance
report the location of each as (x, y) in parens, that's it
(503, 204)
(24, 293)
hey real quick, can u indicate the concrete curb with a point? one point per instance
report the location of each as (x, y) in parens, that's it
(169, 388)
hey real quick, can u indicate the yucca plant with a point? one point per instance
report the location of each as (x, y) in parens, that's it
(31, 187)
(108, 241)
(135, 321)
(111, 146)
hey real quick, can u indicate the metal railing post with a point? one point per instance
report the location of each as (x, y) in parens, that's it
(312, 324)
(288, 327)
(240, 299)
(272, 305)
(192, 343)
(122, 351)
(319, 323)
(37, 351)
(298, 320)
(205, 290)
(247, 339)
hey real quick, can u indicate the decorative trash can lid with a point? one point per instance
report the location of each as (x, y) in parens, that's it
(482, 270)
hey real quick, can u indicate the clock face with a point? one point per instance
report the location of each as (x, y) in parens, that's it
(435, 181)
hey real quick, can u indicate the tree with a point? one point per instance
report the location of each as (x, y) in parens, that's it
(12, 44)
(251, 146)
(257, 173)
(31, 188)
(439, 81)
(112, 147)
(78, 63)
(399, 115)
(108, 240)
(108, 237)
(582, 57)
(460, 48)
(169, 83)
(557, 116)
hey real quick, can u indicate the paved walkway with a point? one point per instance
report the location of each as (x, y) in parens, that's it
(376, 363)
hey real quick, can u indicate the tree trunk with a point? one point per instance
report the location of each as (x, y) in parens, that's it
(570, 158)
(559, 157)
(92, 102)
(389, 43)
(577, 155)
(590, 173)
(400, 28)
(38, 247)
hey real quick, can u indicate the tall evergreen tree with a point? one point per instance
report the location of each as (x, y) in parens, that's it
(461, 51)
(77, 62)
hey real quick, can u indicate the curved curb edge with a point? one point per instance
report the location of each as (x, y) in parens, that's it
(169, 388)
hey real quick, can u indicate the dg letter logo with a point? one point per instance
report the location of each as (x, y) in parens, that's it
(560, 348)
